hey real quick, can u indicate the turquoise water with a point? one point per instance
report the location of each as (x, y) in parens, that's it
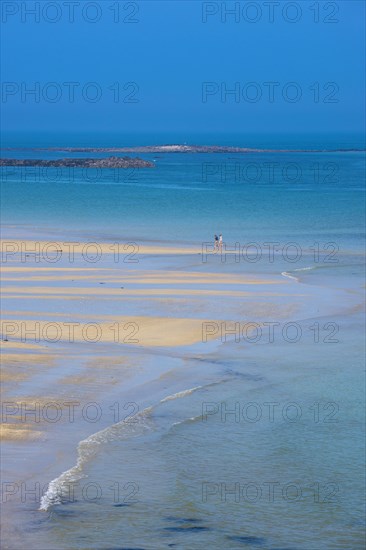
(187, 198)
(185, 474)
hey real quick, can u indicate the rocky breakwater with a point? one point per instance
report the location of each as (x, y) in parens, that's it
(107, 162)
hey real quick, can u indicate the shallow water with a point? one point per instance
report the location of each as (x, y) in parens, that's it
(234, 444)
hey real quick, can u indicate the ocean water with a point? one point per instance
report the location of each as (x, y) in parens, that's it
(235, 444)
(188, 197)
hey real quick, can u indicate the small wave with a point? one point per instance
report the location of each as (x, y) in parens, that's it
(180, 394)
(305, 268)
(184, 393)
(289, 273)
(286, 274)
(189, 420)
(59, 489)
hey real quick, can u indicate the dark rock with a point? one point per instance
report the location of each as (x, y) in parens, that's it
(108, 162)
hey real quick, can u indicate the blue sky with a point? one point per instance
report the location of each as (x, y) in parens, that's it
(165, 58)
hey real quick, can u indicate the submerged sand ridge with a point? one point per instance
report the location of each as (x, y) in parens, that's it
(159, 291)
(150, 305)
(140, 331)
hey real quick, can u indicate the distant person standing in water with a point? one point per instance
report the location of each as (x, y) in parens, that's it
(220, 242)
(216, 243)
